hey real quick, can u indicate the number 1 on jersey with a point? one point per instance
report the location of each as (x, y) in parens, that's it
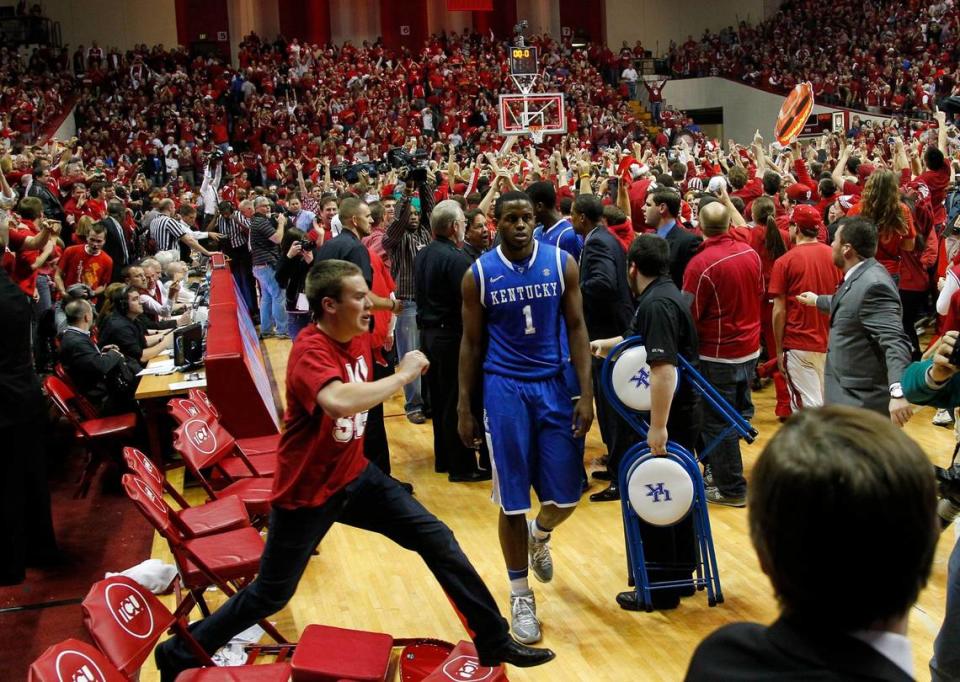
(528, 320)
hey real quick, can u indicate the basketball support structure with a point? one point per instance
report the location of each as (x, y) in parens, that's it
(707, 573)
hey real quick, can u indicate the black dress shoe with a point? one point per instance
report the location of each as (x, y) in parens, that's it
(406, 486)
(472, 477)
(663, 600)
(515, 653)
(609, 494)
(601, 475)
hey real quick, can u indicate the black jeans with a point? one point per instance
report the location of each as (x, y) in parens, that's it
(442, 348)
(732, 381)
(914, 303)
(373, 502)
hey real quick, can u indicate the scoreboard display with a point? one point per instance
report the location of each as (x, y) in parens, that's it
(523, 61)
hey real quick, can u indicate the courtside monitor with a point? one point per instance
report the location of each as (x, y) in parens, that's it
(188, 345)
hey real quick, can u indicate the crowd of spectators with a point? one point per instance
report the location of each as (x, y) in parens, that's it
(883, 56)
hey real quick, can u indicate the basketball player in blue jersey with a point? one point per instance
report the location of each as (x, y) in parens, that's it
(518, 297)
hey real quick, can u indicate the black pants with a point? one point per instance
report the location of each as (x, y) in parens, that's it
(375, 445)
(372, 502)
(442, 348)
(27, 522)
(914, 303)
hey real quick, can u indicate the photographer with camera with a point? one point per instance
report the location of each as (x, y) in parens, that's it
(935, 381)
(405, 236)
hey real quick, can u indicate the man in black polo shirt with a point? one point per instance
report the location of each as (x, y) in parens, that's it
(437, 272)
(663, 320)
(357, 222)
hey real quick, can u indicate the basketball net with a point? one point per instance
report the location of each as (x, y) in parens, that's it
(536, 133)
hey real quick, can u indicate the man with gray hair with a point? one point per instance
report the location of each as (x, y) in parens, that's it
(437, 272)
(266, 233)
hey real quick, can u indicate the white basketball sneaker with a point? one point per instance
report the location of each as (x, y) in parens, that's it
(523, 612)
(540, 560)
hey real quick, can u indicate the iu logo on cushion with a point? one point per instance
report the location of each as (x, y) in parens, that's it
(201, 436)
(74, 666)
(129, 609)
(466, 668)
(657, 491)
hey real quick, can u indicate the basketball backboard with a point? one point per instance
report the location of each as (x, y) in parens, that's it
(535, 114)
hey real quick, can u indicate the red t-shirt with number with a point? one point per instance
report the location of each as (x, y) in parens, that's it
(319, 455)
(79, 266)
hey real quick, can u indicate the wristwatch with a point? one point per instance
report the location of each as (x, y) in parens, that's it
(896, 391)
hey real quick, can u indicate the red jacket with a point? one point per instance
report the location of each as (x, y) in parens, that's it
(726, 281)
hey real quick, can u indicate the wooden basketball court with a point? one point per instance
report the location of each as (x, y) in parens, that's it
(361, 580)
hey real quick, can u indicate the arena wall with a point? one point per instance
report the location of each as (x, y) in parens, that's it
(111, 23)
(744, 108)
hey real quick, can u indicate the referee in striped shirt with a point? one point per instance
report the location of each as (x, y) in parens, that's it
(169, 233)
(234, 226)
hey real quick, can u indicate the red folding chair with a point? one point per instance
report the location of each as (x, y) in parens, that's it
(203, 447)
(247, 462)
(73, 661)
(216, 516)
(101, 437)
(84, 406)
(252, 446)
(126, 621)
(227, 560)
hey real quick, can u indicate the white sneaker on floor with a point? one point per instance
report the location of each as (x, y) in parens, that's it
(540, 560)
(523, 617)
(942, 418)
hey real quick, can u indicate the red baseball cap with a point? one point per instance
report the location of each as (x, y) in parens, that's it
(798, 192)
(807, 219)
(865, 170)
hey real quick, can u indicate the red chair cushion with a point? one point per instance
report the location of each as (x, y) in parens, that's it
(463, 665)
(259, 445)
(104, 427)
(273, 672)
(71, 660)
(230, 556)
(265, 464)
(328, 654)
(255, 493)
(216, 516)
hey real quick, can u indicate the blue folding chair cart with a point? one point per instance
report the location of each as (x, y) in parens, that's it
(663, 490)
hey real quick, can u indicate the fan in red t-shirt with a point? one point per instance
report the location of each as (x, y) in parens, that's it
(322, 477)
(86, 263)
(800, 331)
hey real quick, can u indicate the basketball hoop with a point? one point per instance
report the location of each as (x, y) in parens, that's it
(536, 132)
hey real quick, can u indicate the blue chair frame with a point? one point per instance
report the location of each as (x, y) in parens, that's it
(706, 568)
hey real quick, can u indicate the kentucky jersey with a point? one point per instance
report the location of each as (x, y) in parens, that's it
(523, 310)
(563, 236)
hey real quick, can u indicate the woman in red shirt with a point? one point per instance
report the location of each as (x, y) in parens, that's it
(880, 202)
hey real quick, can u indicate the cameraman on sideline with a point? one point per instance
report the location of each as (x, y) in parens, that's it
(935, 382)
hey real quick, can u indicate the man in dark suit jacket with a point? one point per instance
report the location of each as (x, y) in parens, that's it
(868, 349)
(116, 244)
(88, 366)
(660, 212)
(841, 619)
(607, 311)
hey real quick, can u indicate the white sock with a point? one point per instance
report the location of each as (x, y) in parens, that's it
(519, 585)
(537, 532)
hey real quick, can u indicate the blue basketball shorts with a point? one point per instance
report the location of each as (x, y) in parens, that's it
(529, 430)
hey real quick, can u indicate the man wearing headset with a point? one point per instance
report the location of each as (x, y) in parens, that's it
(122, 329)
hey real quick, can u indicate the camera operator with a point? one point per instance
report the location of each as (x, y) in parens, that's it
(935, 381)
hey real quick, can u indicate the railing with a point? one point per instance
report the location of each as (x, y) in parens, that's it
(29, 31)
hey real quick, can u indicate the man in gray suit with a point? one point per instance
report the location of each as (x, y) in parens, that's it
(868, 350)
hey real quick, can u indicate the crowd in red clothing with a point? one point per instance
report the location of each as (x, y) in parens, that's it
(889, 56)
(163, 110)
